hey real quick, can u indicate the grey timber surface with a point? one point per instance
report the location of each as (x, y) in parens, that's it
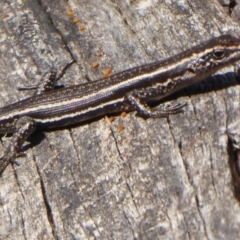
(156, 178)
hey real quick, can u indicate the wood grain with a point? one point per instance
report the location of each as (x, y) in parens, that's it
(156, 178)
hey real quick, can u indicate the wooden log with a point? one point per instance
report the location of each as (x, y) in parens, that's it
(128, 178)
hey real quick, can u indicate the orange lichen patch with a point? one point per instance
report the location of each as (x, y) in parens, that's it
(76, 20)
(124, 114)
(69, 12)
(120, 128)
(5, 15)
(96, 64)
(99, 54)
(107, 72)
(82, 27)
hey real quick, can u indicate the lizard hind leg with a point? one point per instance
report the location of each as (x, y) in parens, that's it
(25, 126)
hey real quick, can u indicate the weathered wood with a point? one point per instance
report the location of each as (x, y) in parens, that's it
(156, 179)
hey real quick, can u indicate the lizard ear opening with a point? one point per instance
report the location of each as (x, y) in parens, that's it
(219, 54)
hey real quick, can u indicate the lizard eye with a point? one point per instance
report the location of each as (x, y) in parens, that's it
(219, 54)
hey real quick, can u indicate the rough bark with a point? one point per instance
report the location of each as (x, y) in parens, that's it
(156, 179)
